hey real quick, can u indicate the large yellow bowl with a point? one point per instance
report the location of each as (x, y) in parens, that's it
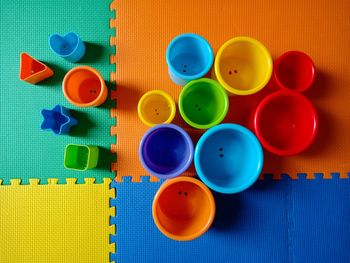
(243, 66)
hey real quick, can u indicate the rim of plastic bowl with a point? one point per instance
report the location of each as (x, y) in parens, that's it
(199, 147)
(188, 140)
(240, 91)
(204, 71)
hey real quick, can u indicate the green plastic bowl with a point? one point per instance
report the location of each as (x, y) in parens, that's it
(203, 103)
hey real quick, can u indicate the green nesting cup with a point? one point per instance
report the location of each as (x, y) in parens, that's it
(80, 157)
(203, 103)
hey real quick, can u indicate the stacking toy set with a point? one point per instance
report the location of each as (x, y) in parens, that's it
(228, 157)
(83, 86)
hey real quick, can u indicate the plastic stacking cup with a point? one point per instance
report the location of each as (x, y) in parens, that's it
(80, 157)
(166, 151)
(32, 70)
(243, 66)
(84, 87)
(156, 107)
(203, 103)
(286, 123)
(228, 158)
(183, 208)
(189, 57)
(58, 120)
(69, 46)
(294, 70)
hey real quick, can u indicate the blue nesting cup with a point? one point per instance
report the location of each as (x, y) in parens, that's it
(166, 151)
(228, 158)
(189, 57)
(59, 120)
(69, 46)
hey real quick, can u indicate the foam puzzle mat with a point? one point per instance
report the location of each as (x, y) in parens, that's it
(25, 150)
(318, 28)
(56, 222)
(278, 221)
(297, 212)
(48, 213)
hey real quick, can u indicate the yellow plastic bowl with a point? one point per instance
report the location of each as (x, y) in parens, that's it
(243, 66)
(156, 107)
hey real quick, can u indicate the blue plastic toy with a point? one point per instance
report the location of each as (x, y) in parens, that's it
(58, 120)
(228, 158)
(189, 57)
(166, 151)
(69, 46)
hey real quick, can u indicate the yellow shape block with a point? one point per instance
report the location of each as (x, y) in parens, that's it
(55, 223)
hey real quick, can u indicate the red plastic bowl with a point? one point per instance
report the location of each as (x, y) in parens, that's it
(294, 70)
(286, 123)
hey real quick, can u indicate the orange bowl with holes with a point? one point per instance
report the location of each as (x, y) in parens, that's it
(183, 208)
(84, 86)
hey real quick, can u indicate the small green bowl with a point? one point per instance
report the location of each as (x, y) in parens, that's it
(203, 103)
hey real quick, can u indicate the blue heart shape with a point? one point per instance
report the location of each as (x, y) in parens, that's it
(69, 46)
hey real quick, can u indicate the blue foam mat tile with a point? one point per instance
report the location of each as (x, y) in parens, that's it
(318, 176)
(274, 221)
(321, 214)
(267, 176)
(302, 176)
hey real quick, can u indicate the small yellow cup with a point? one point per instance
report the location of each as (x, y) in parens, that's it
(156, 107)
(243, 66)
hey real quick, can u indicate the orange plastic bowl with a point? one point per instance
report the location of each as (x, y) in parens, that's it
(84, 87)
(183, 208)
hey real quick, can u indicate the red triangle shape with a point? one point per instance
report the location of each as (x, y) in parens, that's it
(32, 70)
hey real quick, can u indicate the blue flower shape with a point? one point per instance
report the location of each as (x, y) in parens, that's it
(58, 120)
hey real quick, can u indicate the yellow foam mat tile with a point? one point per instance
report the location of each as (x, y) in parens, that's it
(53, 223)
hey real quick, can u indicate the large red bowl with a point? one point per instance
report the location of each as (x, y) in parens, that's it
(286, 123)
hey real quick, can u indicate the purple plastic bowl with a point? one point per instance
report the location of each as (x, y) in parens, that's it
(166, 151)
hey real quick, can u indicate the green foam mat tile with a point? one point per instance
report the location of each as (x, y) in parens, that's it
(25, 150)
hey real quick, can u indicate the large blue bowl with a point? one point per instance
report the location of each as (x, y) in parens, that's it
(228, 158)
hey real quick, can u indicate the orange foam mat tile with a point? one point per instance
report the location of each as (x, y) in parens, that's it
(320, 28)
(56, 223)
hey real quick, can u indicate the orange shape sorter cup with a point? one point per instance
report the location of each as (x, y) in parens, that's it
(317, 27)
(56, 223)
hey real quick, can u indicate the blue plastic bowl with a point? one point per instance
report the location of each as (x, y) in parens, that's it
(166, 151)
(228, 158)
(69, 46)
(189, 57)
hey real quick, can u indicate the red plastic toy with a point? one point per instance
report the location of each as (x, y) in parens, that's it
(286, 123)
(294, 70)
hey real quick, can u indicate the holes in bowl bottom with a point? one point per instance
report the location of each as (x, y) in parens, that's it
(221, 149)
(235, 71)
